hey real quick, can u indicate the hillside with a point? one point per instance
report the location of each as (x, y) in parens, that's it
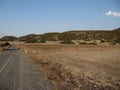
(112, 36)
(108, 36)
(118, 29)
(8, 38)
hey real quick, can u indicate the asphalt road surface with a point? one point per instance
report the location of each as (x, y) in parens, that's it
(17, 72)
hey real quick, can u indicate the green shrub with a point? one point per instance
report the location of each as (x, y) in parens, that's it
(93, 43)
(32, 40)
(84, 43)
(5, 44)
(87, 39)
(102, 41)
(43, 40)
(66, 42)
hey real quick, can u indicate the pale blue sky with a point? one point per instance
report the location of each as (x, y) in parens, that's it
(20, 17)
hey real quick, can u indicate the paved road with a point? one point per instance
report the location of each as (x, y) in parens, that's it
(17, 72)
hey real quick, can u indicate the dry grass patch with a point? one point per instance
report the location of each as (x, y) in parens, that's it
(78, 67)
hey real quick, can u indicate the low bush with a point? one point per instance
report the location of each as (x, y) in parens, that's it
(67, 42)
(32, 40)
(84, 43)
(5, 44)
(43, 40)
(102, 41)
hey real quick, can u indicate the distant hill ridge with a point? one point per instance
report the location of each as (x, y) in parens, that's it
(109, 36)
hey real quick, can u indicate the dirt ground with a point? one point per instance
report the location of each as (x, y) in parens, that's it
(78, 67)
(1, 49)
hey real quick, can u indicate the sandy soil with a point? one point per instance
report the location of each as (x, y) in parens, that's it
(78, 67)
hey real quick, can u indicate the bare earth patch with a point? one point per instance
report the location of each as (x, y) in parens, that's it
(1, 50)
(78, 67)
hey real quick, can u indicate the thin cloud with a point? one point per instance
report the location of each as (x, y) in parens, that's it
(114, 14)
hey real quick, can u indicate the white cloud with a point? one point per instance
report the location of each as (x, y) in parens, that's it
(114, 14)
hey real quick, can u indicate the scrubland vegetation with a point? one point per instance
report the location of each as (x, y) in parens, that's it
(110, 36)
